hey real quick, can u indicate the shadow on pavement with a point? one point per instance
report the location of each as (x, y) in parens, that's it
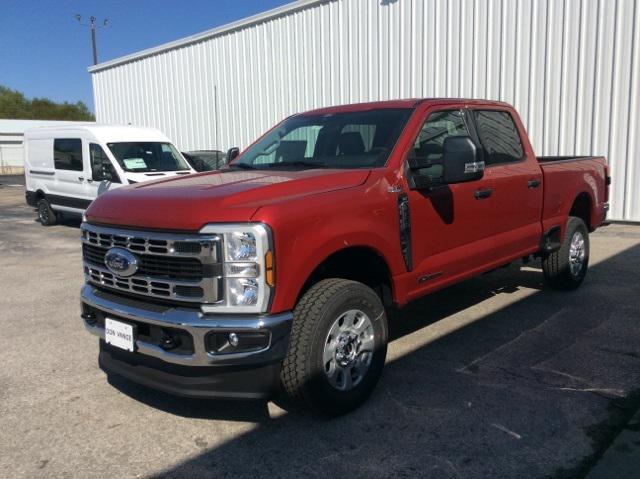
(514, 393)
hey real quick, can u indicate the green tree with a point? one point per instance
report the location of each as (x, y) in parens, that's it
(14, 105)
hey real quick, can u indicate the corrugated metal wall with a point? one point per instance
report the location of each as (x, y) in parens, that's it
(571, 67)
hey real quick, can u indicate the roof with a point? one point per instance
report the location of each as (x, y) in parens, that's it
(199, 37)
(405, 103)
(18, 127)
(104, 133)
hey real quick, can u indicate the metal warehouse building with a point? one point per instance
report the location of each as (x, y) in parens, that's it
(571, 67)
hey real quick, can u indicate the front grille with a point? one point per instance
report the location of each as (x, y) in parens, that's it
(185, 269)
(170, 266)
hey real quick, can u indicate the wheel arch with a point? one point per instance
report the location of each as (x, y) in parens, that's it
(582, 207)
(358, 263)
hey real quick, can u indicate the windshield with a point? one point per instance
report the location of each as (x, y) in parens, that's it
(341, 140)
(146, 156)
(205, 161)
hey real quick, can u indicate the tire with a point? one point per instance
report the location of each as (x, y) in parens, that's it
(330, 321)
(46, 215)
(566, 268)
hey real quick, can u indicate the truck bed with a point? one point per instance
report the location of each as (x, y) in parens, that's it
(556, 159)
(562, 184)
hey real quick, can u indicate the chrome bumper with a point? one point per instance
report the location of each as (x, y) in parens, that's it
(198, 325)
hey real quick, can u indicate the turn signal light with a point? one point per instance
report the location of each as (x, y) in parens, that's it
(268, 266)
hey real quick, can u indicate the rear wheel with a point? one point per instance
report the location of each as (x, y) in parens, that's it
(337, 347)
(566, 268)
(46, 215)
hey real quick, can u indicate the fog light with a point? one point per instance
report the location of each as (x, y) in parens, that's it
(237, 342)
(167, 342)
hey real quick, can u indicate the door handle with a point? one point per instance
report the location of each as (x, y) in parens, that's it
(482, 194)
(89, 180)
(533, 183)
(80, 178)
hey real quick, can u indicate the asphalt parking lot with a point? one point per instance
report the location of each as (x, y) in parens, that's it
(495, 377)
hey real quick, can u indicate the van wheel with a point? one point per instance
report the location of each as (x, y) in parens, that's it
(566, 268)
(337, 347)
(46, 215)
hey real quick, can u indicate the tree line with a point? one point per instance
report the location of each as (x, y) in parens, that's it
(14, 105)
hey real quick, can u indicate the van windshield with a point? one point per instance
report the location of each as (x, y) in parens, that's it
(362, 139)
(146, 156)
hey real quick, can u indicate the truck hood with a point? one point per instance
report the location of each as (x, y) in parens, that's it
(189, 202)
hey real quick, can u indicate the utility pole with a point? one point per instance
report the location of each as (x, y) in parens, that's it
(92, 26)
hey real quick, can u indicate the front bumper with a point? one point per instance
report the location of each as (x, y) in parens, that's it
(30, 197)
(192, 369)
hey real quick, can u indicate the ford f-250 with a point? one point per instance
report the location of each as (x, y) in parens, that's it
(277, 273)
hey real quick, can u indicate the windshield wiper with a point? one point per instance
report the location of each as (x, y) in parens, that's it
(295, 164)
(241, 166)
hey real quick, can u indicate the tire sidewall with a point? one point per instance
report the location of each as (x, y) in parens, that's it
(576, 224)
(43, 207)
(330, 399)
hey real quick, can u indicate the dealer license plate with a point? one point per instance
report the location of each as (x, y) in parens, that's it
(118, 334)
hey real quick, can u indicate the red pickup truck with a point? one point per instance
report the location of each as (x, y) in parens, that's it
(276, 273)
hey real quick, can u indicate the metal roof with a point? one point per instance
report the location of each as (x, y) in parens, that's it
(198, 37)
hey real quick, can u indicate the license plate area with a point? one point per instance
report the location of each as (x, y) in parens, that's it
(119, 334)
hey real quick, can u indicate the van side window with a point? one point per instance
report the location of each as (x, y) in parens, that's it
(101, 167)
(438, 127)
(67, 154)
(499, 136)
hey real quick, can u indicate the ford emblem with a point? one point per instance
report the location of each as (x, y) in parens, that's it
(121, 262)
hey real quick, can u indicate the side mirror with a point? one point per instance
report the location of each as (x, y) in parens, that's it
(232, 154)
(460, 160)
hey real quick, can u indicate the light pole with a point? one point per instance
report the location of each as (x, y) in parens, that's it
(92, 26)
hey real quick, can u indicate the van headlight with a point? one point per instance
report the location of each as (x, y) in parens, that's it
(247, 269)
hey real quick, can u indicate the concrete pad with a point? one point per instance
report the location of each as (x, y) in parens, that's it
(495, 377)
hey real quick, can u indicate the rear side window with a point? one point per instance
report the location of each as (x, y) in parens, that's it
(499, 136)
(67, 154)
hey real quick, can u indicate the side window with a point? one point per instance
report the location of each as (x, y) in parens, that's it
(499, 136)
(101, 167)
(439, 126)
(67, 154)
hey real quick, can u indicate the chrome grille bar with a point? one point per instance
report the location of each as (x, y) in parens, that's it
(205, 247)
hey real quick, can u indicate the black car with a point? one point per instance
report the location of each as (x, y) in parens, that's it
(206, 160)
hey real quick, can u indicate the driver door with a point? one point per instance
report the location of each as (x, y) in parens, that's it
(451, 224)
(102, 175)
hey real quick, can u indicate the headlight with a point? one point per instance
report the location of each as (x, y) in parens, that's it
(240, 246)
(247, 267)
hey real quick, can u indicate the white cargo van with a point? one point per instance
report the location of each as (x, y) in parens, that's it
(68, 167)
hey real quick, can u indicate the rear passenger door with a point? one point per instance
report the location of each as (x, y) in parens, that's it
(516, 181)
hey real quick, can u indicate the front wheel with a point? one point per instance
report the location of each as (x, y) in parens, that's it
(566, 268)
(337, 348)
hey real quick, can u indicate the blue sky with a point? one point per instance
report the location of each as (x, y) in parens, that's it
(45, 52)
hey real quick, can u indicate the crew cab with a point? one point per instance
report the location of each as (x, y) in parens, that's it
(276, 274)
